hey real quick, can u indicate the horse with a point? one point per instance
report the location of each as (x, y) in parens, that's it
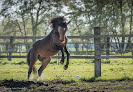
(48, 46)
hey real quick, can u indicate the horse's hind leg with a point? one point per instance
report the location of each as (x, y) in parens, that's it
(33, 59)
(44, 61)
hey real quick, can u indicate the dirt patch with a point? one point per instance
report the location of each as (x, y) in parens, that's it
(30, 86)
(66, 86)
(12, 85)
(111, 86)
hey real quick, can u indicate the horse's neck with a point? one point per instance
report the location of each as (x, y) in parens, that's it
(54, 31)
(51, 33)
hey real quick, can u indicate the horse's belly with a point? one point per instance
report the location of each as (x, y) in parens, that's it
(47, 53)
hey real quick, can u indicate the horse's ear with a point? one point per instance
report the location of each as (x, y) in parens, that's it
(68, 22)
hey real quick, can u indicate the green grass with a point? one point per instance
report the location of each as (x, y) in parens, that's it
(112, 69)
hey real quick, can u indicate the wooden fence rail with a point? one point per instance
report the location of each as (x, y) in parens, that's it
(74, 57)
(83, 37)
(97, 47)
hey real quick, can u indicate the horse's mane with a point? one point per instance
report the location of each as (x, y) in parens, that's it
(55, 20)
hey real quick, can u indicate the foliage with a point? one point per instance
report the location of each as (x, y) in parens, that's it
(32, 17)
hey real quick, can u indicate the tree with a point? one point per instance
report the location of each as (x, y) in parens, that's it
(31, 18)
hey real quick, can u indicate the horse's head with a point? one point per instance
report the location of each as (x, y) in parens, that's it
(60, 24)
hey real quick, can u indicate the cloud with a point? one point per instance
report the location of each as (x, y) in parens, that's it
(0, 5)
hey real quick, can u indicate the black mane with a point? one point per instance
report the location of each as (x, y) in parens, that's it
(57, 20)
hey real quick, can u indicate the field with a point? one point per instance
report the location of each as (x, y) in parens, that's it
(117, 75)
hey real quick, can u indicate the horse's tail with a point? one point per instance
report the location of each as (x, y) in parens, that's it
(30, 56)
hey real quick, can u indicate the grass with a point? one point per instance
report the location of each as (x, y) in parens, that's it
(117, 75)
(112, 69)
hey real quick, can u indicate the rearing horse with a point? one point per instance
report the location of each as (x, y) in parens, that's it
(46, 47)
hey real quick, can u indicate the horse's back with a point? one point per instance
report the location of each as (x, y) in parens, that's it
(42, 42)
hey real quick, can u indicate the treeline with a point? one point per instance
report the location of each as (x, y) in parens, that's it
(31, 17)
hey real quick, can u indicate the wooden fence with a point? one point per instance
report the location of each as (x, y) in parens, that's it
(97, 48)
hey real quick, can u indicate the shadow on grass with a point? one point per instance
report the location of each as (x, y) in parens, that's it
(124, 78)
(19, 63)
(94, 79)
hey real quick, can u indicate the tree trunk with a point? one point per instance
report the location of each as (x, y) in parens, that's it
(128, 47)
(122, 26)
(76, 47)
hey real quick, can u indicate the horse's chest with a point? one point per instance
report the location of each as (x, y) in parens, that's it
(60, 43)
(47, 53)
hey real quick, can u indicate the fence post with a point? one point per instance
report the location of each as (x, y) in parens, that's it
(10, 48)
(97, 52)
(107, 46)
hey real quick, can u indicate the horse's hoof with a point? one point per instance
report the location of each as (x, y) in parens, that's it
(65, 67)
(62, 62)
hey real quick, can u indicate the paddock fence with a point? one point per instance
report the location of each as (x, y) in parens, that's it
(100, 47)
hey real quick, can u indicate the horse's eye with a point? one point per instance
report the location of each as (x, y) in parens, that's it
(64, 24)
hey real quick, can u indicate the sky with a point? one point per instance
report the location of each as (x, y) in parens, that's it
(13, 8)
(0, 9)
(0, 4)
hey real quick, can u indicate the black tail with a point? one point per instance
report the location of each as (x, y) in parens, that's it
(29, 56)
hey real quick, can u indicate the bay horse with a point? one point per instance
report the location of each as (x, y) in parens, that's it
(48, 46)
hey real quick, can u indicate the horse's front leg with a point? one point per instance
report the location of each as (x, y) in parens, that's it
(68, 55)
(57, 47)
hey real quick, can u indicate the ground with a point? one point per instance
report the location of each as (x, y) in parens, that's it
(66, 86)
(117, 76)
